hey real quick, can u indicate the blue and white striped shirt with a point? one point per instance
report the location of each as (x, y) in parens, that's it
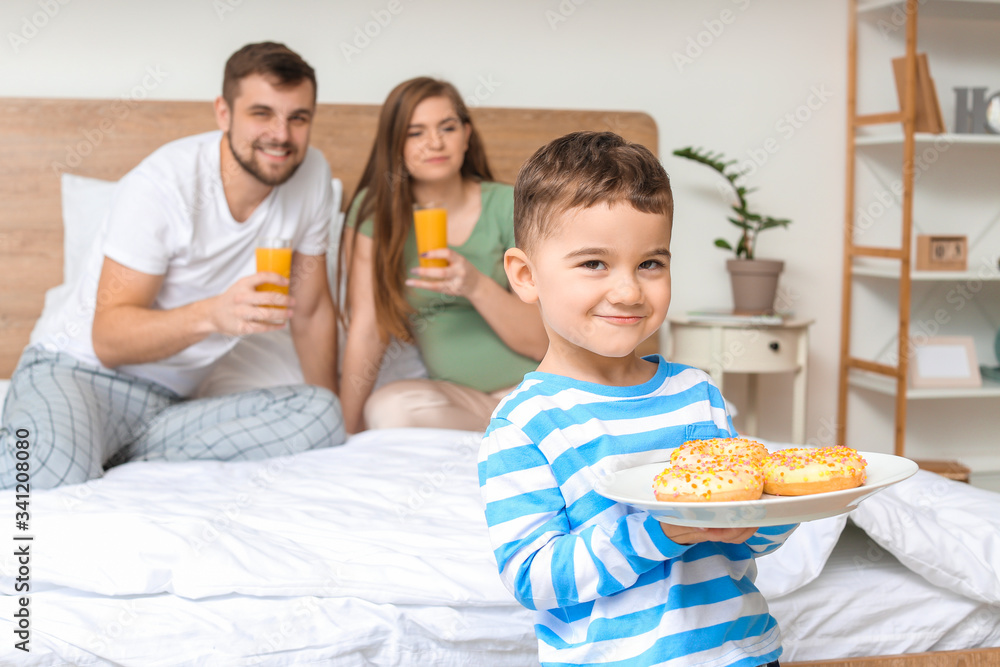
(607, 585)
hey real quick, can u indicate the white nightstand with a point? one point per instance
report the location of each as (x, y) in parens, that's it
(744, 347)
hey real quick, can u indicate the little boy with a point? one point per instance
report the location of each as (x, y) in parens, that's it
(610, 584)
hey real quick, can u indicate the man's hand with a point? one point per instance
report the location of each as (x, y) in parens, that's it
(128, 330)
(242, 310)
(687, 535)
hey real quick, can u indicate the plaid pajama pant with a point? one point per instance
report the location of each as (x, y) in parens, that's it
(80, 419)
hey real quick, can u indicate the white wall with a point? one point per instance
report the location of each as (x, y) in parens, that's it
(740, 76)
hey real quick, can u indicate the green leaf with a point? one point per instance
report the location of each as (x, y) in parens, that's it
(771, 222)
(751, 223)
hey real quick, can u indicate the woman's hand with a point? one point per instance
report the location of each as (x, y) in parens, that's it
(459, 278)
(517, 324)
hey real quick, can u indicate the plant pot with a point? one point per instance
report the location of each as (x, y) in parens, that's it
(755, 283)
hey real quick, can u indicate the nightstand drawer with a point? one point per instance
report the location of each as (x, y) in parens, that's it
(736, 350)
(737, 347)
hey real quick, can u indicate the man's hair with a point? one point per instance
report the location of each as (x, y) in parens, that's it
(269, 59)
(581, 170)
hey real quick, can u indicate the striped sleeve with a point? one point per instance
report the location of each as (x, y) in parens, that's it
(541, 561)
(768, 539)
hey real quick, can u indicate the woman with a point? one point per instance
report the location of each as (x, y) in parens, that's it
(477, 339)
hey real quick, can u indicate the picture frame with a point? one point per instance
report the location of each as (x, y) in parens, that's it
(944, 362)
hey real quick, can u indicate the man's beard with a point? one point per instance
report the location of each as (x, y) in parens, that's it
(253, 168)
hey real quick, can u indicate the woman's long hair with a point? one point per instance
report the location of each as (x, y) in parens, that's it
(386, 196)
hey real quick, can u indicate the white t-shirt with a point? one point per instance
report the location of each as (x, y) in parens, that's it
(169, 217)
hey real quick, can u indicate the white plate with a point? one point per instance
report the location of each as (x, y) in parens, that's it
(634, 486)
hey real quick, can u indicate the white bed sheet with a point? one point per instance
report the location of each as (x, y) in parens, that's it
(900, 609)
(375, 553)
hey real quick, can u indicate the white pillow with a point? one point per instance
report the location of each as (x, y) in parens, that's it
(86, 202)
(336, 224)
(946, 531)
(800, 559)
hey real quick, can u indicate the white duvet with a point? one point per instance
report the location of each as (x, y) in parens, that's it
(376, 553)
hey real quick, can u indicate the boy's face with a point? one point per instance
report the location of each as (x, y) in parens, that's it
(602, 281)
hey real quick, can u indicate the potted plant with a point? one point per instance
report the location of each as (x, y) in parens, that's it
(755, 281)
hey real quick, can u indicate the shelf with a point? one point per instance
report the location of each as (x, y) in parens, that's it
(887, 385)
(983, 464)
(959, 32)
(924, 276)
(925, 138)
(959, 9)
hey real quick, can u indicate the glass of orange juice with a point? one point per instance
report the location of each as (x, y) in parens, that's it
(274, 256)
(430, 223)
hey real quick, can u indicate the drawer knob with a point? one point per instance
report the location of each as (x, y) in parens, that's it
(774, 345)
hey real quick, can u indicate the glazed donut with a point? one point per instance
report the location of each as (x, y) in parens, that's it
(694, 452)
(802, 471)
(715, 479)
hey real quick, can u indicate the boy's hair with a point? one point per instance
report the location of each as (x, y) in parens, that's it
(583, 169)
(269, 59)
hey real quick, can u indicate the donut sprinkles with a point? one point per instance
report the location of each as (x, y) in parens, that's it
(718, 481)
(801, 471)
(693, 451)
(723, 469)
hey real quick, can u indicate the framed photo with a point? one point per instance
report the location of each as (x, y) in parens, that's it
(944, 362)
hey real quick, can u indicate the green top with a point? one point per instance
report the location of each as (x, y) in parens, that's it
(455, 341)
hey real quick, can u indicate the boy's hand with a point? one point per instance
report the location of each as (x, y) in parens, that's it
(686, 535)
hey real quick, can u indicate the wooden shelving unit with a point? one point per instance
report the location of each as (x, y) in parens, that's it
(895, 130)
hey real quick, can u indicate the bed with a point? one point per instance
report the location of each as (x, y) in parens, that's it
(375, 552)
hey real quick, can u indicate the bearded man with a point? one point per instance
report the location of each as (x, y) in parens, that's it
(170, 288)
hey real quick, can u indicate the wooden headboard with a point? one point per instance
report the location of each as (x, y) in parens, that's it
(41, 138)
